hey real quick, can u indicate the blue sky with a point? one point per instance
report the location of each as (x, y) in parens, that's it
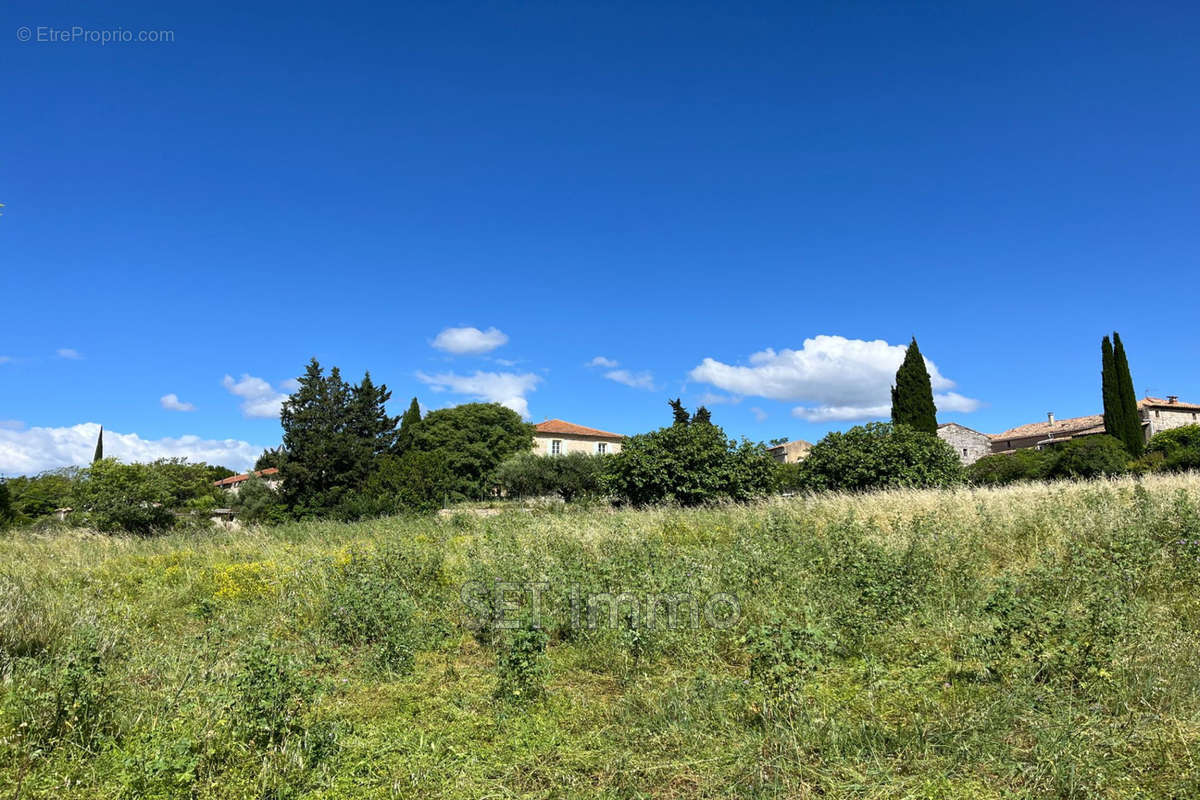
(673, 188)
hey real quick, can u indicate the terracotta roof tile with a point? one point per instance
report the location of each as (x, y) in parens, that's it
(571, 429)
(1157, 402)
(1060, 427)
(236, 479)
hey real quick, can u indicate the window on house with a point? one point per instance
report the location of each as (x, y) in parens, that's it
(964, 451)
(556, 447)
(1156, 414)
(601, 448)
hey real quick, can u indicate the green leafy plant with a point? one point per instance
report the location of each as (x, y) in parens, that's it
(521, 664)
(271, 694)
(879, 455)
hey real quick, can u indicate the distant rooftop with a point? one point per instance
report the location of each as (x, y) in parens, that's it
(234, 480)
(565, 428)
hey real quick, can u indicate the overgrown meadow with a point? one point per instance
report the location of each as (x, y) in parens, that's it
(1036, 641)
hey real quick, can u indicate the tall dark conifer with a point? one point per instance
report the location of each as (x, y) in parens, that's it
(408, 426)
(99, 454)
(702, 416)
(912, 396)
(678, 412)
(1131, 423)
(1108, 390)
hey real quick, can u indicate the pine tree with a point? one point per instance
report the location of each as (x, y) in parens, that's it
(322, 452)
(1130, 421)
(679, 412)
(702, 416)
(912, 396)
(1108, 390)
(99, 454)
(408, 426)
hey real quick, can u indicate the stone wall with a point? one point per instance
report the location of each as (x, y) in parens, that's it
(970, 445)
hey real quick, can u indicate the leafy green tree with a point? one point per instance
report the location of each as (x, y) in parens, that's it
(124, 497)
(8, 514)
(472, 440)
(408, 426)
(258, 503)
(879, 455)
(39, 495)
(1130, 422)
(689, 465)
(99, 454)
(526, 475)
(570, 476)
(414, 481)
(912, 396)
(1090, 457)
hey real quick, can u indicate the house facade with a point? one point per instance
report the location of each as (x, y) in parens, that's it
(969, 444)
(790, 452)
(1163, 414)
(1156, 413)
(556, 437)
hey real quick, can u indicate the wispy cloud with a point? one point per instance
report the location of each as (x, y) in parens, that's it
(171, 402)
(26, 451)
(637, 380)
(837, 379)
(259, 399)
(759, 414)
(469, 341)
(69, 353)
(601, 361)
(506, 388)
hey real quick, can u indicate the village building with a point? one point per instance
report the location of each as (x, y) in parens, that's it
(556, 437)
(1157, 414)
(790, 452)
(969, 444)
(233, 483)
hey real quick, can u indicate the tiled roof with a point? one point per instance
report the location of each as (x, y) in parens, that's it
(1156, 402)
(233, 480)
(565, 428)
(800, 442)
(965, 428)
(1073, 426)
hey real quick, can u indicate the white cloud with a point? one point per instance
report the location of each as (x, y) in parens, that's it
(506, 388)
(24, 452)
(714, 399)
(171, 402)
(838, 379)
(67, 352)
(259, 398)
(759, 414)
(601, 361)
(11, 424)
(469, 341)
(638, 380)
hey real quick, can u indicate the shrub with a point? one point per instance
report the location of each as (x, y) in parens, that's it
(521, 664)
(368, 606)
(1000, 469)
(880, 455)
(1178, 448)
(783, 655)
(124, 497)
(63, 696)
(414, 481)
(789, 477)
(1089, 457)
(471, 440)
(271, 695)
(570, 476)
(689, 464)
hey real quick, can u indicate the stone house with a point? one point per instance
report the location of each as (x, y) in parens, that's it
(1157, 414)
(556, 437)
(790, 452)
(1160, 414)
(969, 444)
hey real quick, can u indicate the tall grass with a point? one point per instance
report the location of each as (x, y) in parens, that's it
(1034, 641)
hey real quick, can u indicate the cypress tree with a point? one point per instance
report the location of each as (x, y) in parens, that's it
(1130, 422)
(680, 414)
(702, 416)
(912, 396)
(99, 454)
(408, 426)
(1108, 390)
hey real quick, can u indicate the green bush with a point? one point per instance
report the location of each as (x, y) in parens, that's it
(271, 695)
(38, 495)
(1178, 448)
(521, 664)
(258, 503)
(62, 696)
(414, 481)
(1001, 469)
(689, 464)
(368, 606)
(784, 654)
(124, 497)
(1089, 457)
(879, 455)
(471, 440)
(571, 476)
